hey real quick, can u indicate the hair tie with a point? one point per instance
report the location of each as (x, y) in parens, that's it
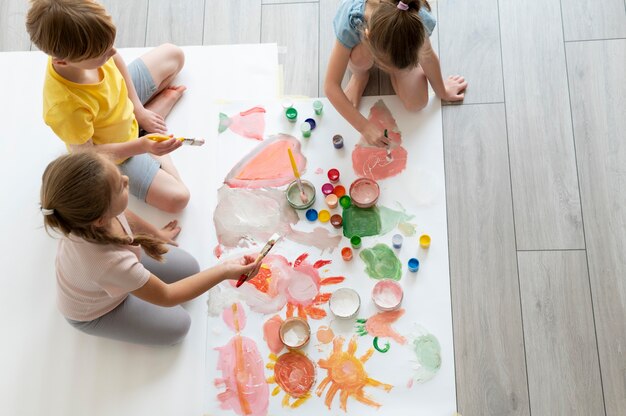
(46, 211)
(403, 6)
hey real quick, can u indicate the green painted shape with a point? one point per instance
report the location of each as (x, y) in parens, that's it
(389, 218)
(360, 221)
(225, 121)
(381, 262)
(378, 348)
(428, 353)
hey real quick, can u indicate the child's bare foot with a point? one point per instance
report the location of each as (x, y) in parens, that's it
(356, 86)
(163, 102)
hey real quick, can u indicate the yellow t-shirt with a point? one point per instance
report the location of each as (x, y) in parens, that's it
(78, 112)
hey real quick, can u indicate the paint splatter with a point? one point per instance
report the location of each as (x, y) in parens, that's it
(325, 334)
(267, 165)
(297, 286)
(347, 375)
(249, 123)
(320, 237)
(319, 171)
(294, 373)
(407, 228)
(428, 354)
(381, 262)
(366, 222)
(271, 335)
(379, 326)
(246, 391)
(372, 162)
(390, 218)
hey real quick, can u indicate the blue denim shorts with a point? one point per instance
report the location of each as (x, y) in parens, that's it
(141, 170)
(142, 80)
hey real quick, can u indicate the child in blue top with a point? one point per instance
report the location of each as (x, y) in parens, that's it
(394, 35)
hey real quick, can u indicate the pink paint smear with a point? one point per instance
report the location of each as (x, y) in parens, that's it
(250, 123)
(372, 162)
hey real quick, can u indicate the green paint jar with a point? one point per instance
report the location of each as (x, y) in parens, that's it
(355, 241)
(305, 128)
(291, 114)
(345, 201)
(318, 106)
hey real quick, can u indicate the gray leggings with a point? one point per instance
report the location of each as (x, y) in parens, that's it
(140, 322)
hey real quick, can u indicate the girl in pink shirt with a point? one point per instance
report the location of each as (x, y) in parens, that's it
(116, 277)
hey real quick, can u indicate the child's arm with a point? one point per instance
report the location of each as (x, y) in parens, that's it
(131, 147)
(148, 120)
(162, 294)
(449, 90)
(337, 65)
(139, 225)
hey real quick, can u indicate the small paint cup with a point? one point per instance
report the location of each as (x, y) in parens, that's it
(311, 122)
(323, 216)
(346, 254)
(387, 295)
(364, 192)
(293, 194)
(291, 114)
(305, 128)
(414, 265)
(339, 190)
(327, 188)
(333, 175)
(318, 107)
(344, 303)
(294, 332)
(337, 141)
(425, 240)
(332, 201)
(336, 220)
(355, 241)
(396, 241)
(311, 215)
(345, 201)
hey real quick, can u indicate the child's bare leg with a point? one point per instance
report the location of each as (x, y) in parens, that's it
(164, 62)
(360, 63)
(411, 87)
(167, 193)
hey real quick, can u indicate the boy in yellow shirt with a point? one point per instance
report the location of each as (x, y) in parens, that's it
(93, 100)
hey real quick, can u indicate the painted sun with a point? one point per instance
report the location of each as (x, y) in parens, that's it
(294, 373)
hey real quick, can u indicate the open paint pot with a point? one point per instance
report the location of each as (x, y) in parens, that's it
(311, 215)
(333, 175)
(346, 254)
(336, 220)
(387, 295)
(414, 265)
(425, 240)
(345, 201)
(327, 188)
(339, 191)
(332, 201)
(337, 141)
(294, 332)
(293, 194)
(344, 303)
(364, 192)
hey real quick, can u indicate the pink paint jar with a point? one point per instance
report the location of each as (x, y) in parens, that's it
(364, 192)
(332, 201)
(387, 295)
(328, 188)
(333, 175)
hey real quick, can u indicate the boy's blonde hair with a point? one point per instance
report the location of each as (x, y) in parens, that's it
(76, 191)
(72, 30)
(395, 35)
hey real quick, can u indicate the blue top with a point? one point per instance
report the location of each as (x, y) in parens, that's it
(350, 18)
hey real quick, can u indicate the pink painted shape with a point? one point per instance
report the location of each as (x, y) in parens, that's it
(235, 317)
(372, 162)
(250, 123)
(379, 325)
(267, 165)
(320, 238)
(271, 335)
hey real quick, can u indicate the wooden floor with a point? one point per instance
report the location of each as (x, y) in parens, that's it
(535, 176)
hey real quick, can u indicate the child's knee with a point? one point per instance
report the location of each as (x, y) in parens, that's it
(175, 55)
(416, 103)
(179, 328)
(177, 201)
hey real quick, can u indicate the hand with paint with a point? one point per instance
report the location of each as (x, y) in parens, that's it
(150, 121)
(245, 265)
(159, 148)
(374, 135)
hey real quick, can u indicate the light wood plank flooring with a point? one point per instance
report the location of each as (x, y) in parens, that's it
(535, 177)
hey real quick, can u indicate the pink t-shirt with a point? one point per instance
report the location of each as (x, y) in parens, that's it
(92, 279)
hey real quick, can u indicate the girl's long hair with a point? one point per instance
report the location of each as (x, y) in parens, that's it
(78, 189)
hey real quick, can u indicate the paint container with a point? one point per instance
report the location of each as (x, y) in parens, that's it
(338, 141)
(345, 201)
(311, 215)
(293, 194)
(333, 175)
(344, 303)
(414, 265)
(425, 240)
(332, 201)
(305, 128)
(339, 191)
(336, 220)
(318, 107)
(327, 188)
(294, 332)
(396, 241)
(355, 241)
(364, 192)
(311, 122)
(324, 216)
(387, 295)
(291, 114)
(346, 254)
(287, 104)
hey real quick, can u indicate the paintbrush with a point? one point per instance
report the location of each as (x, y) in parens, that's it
(266, 249)
(389, 158)
(303, 195)
(192, 141)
